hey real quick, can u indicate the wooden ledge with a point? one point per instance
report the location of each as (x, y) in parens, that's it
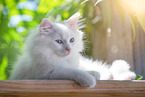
(66, 88)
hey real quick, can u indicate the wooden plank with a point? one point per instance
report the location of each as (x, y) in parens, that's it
(139, 49)
(64, 88)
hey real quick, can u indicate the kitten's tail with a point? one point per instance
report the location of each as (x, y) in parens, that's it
(120, 70)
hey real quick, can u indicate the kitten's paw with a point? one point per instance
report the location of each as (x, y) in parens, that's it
(86, 80)
(95, 74)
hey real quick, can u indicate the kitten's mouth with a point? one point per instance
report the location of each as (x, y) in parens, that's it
(67, 53)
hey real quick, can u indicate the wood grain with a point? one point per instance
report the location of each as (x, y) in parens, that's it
(113, 41)
(139, 49)
(120, 42)
(66, 88)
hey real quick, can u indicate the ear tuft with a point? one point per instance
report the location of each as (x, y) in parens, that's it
(46, 27)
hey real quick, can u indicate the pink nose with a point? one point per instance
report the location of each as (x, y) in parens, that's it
(68, 49)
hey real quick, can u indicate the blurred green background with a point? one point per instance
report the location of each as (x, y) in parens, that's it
(17, 17)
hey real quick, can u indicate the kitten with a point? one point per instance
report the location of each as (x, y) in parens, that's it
(53, 52)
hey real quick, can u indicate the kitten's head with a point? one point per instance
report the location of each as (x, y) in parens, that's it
(63, 39)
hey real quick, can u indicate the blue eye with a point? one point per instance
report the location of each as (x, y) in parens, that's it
(72, 40)
(59, 41)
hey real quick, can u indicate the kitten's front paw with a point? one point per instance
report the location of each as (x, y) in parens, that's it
(95, 74)
(86, 80)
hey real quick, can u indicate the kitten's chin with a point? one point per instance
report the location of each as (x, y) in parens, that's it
(66, 55)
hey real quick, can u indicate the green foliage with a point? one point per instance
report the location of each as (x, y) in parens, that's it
(139, 77)
(3, 67)
(17, 17)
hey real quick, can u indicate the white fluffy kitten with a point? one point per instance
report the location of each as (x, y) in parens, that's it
(53, 52)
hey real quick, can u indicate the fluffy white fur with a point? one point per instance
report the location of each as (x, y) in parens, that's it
(45, 58)
(121, 70)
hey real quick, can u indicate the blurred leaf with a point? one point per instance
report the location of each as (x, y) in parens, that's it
(139, 77)
(46, 5)
(134, 26)
(135, 9)
(141, 19)
(3, 67)
(28, 12)
(1, 7)
(65, 15)
(15, 35)
(14, 11)
(10, 3)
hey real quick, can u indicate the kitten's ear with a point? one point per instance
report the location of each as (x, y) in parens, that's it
(72, 21)
(46, 27)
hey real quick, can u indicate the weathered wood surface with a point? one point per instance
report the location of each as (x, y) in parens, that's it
(139, 50)
(119, 39)
(65, 88)
(115, 41)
